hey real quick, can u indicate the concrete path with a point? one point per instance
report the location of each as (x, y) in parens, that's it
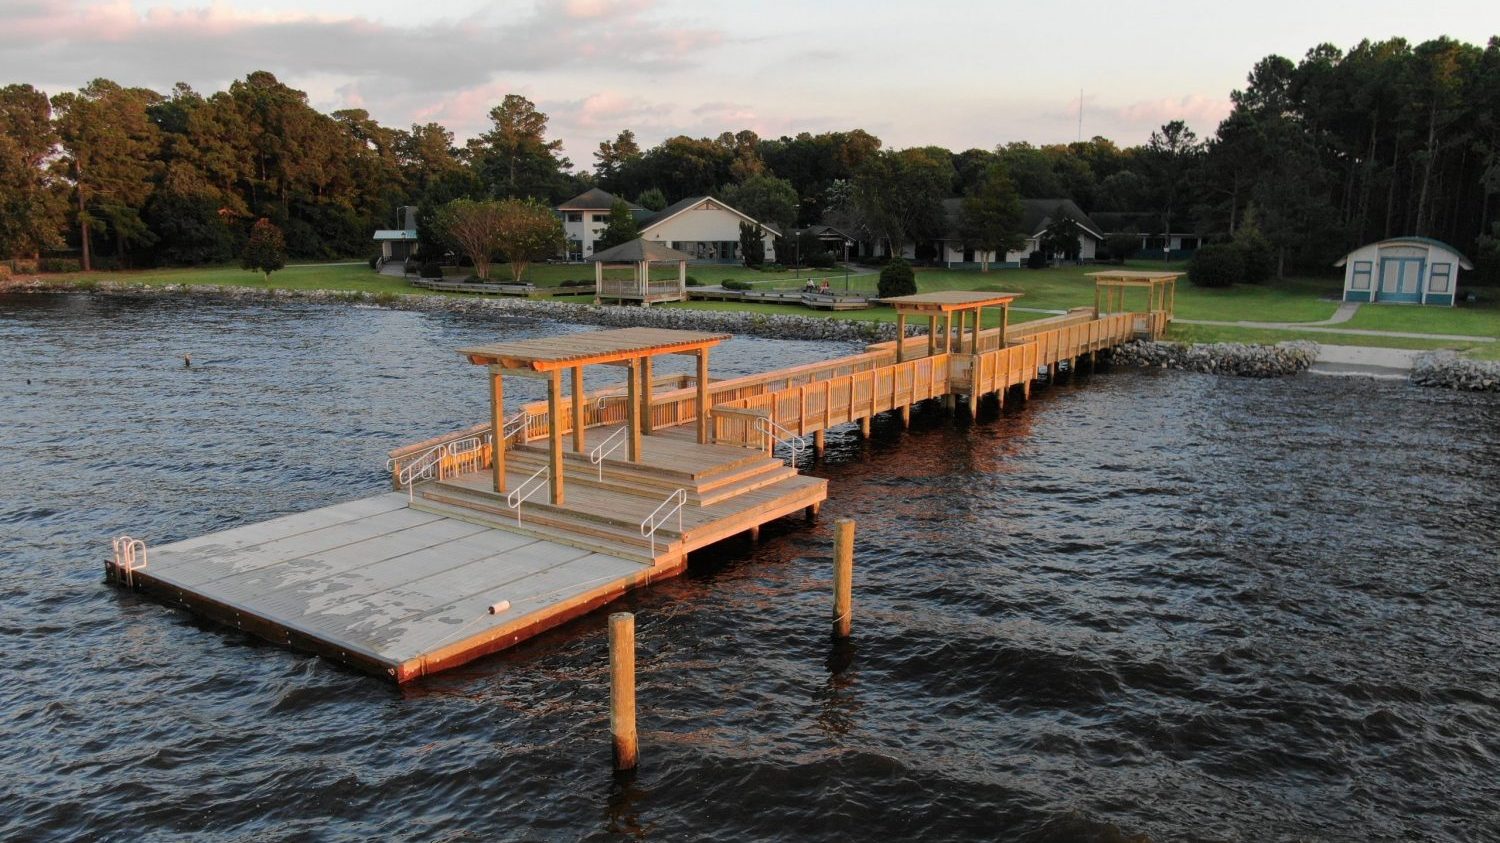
(1364, 361)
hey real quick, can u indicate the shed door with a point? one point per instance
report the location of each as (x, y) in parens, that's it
(1401, 279)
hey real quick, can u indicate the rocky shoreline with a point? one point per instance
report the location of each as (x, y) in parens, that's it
(1446, 370)
(1220, 358)
(1442, 369)
(772, 326)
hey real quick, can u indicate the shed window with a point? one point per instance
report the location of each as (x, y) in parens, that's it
(1362, 272)
(1441, 280)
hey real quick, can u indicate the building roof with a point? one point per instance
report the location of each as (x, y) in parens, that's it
(595, 199)
(948, 300)
(565, 352)
(638, 250)
(395, 234)
(1036, 215)
(683, 205)
(1463, 262)
(1132, 222)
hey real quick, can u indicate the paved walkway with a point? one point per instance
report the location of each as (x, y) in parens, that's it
(1365, 361)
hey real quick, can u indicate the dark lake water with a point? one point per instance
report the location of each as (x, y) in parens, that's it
(1145, 605)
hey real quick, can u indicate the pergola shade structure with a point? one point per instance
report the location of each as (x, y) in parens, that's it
(631, 348)
(1110, 289)
(638, 255)
(943, 305)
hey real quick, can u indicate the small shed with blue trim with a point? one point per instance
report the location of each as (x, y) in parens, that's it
(1414, 270)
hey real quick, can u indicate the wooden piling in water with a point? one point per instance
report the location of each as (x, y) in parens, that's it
(622, 689)
(843, 576)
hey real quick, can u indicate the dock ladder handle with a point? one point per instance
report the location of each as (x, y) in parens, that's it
(677, 500)
(130, 556)
(607, 447)
(528, 487)
(515, 424)
(777, 433)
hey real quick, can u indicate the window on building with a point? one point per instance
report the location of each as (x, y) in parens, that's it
(601, 217)
(575, 216)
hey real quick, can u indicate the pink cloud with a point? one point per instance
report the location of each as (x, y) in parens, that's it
(1202, 113)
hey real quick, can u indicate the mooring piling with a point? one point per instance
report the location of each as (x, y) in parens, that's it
(843, 576)
(622, 689)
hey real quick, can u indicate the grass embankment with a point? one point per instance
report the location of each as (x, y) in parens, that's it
(1293, 300)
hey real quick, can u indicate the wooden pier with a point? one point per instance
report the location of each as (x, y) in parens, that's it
(507, 528)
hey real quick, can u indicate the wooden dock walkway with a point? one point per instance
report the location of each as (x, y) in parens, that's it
(521, 514)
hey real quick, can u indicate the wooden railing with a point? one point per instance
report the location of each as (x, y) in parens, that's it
(817, 396)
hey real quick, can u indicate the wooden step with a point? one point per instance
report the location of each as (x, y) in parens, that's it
(645, 483)
(634, 548)
(595, 521)
(685, 462)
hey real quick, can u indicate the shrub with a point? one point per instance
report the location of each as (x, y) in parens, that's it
(1122, 247)
(1036, 260)
(576, 283)
(59, 265)
(731, 284)
(1218, 265)
(23, 266)
(432, 269)
(821, 260)
(4, 272)
(374, 261)
(773, 267)
(693, 282)
(897, 279)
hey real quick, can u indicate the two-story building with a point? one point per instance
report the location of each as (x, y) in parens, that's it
(702, 226)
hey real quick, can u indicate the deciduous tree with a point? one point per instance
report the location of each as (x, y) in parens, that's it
(265, 251)
(528, 231)
(990, 217)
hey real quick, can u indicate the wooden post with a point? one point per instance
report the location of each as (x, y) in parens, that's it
(622, 690)
(931, 335)
(554, 434)
(963, 318)
(978, 326)
(578, 442)
(1004, 323)
(646, 395)
(900, 337)
(497, 436)
(947, 332)
(864, 427)
(633, 411)
(598, 282)
(703, 396)
(843, 576)
(818, 444)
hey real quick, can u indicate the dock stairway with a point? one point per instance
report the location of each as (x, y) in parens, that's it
(607, 503)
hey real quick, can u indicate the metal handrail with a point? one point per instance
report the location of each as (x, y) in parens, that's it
(677, 500)
(528, 487)
(514, 425)
(777, 433)
(605, 448)
(125, 557)
(422, 466)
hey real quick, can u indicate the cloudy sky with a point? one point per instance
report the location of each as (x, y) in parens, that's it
(958, 74)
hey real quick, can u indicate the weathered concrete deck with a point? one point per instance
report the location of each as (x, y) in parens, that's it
(390, 589)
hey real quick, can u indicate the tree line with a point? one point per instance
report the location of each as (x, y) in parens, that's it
(1317, 156)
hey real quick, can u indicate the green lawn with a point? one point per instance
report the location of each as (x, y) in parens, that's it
(1057, 288)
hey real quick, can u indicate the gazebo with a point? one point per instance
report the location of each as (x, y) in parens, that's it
(1112, 286)
(632, 348)
(639, 254)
